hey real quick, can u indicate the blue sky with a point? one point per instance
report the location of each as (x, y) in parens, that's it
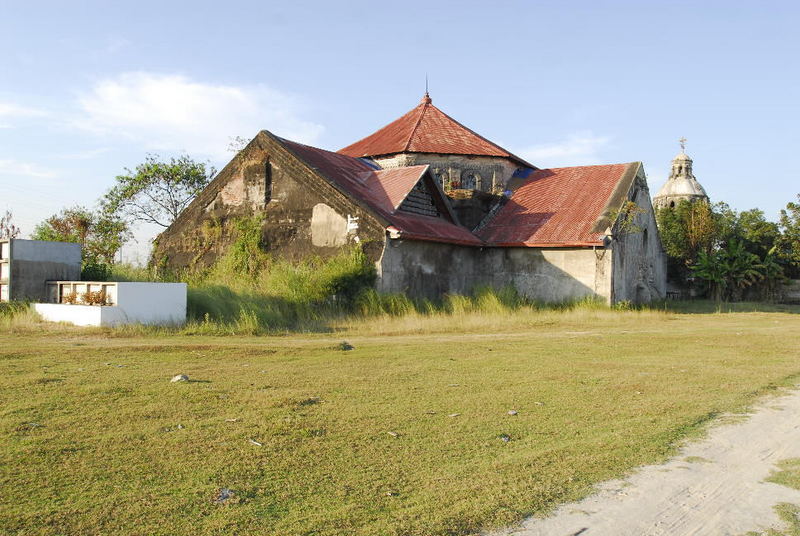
(89, 88)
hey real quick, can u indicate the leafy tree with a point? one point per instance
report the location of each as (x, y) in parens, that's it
(724, 250)
(686, 230)
(157, 191)
(744, 268)
(773, 271)
(99, 234)
(788, 249)
(7, 228)
(758, 235)
(728, 271)
(712, 269)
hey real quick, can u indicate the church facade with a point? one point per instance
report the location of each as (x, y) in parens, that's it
(439, 209)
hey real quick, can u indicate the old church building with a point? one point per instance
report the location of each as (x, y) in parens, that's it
(438, 209)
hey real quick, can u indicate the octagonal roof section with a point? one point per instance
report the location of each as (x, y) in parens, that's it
(427, 129)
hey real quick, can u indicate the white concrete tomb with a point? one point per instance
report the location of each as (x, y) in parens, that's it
(86, 303)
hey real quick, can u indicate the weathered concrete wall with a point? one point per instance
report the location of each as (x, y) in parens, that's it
(790, 292)
(427, 269)
(295, 204)
(639, 261)
(484, 173)
(555, 274)
(33, 262)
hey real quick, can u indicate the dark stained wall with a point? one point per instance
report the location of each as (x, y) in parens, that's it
(640, 264)
(266, 181)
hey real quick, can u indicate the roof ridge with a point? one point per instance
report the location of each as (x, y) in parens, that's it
(589, 166)
(490, 142)
(424, 105)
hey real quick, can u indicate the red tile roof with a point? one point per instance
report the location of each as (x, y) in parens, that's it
(382, 191)
(557, 207)
(426, 129)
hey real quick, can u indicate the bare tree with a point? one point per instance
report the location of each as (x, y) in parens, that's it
(7, 227)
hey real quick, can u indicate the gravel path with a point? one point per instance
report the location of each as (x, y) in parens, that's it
(713, 487)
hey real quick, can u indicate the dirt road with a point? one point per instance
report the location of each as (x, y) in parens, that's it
(713, 487)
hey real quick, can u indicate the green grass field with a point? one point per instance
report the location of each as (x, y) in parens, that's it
(409, 433)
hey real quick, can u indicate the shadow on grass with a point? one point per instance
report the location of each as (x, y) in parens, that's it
(713, 307)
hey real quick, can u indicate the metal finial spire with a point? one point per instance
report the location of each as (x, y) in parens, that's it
(682, 141)
(426, 99)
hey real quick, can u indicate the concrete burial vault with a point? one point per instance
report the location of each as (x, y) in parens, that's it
(47, 273)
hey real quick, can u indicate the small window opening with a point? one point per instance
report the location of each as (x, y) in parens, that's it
(267, 182)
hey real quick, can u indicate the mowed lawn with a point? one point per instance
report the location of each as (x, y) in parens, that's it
(408, 434)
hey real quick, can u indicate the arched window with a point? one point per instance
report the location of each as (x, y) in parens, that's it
(443, 177)
(470, 180)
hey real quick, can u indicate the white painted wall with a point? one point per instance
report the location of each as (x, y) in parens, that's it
(137, 303)
(152, 303)
(80, 315)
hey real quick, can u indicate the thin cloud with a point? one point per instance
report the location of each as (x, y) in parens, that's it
(176, 113)
(9, 112)
(85, 155)
(15, 168)
(579, 149)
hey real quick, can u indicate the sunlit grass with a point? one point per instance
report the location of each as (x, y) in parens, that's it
(96, 440)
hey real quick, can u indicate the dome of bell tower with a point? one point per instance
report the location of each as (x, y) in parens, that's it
(681, 185)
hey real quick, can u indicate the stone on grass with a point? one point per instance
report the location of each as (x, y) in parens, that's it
(180, 378)
(513, 412)
(223, 495)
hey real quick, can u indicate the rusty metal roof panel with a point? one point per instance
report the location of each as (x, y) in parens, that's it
(555, 207)
(382, 192)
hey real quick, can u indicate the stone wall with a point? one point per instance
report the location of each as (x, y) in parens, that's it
(427, 269)
(484, 173)
(640, 264)
(302, 213)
